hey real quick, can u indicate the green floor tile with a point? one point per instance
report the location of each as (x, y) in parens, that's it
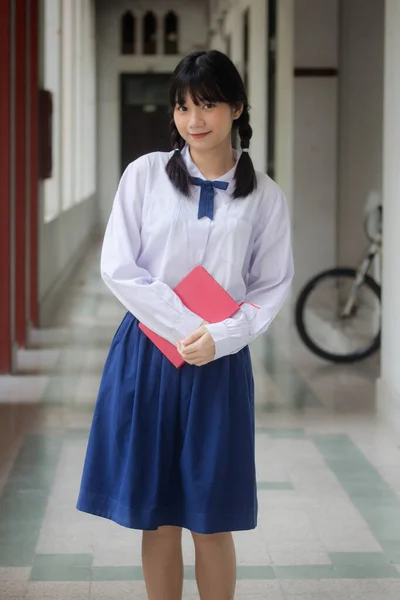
(281, 433)
(255, 572)
(61, 574)
(62, 567)
(391, 550)
(337, 572)
(24, 499)
(117, 573)
(68, 568)
(377, 503)
(285, 433)
(51, 561)
(368, 572)
(306, 572)
(360, 559)
(190, 573)
(274, 485)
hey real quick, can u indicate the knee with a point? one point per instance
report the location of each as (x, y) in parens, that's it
(205, 539)
(166, 534)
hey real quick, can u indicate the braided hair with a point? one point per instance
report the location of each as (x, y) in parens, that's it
(212, 77)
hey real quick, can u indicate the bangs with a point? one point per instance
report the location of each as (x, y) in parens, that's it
(201, 87)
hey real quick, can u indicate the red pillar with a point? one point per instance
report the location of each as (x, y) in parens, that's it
(5, 158)
(33, 310)
(20, 172)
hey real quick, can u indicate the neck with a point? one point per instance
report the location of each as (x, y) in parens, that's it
(214, 162)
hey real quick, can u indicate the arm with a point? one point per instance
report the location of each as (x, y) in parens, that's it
(150, 300)
(271, 273)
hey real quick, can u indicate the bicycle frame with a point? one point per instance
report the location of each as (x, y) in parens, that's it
(372, 252)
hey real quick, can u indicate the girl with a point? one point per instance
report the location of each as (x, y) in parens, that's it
(172, 448)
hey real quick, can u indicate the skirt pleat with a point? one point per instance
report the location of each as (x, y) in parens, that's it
(171, 446)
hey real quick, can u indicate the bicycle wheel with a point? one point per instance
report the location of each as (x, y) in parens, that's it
(322, 326)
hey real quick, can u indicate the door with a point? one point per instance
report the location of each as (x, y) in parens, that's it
(145, 120)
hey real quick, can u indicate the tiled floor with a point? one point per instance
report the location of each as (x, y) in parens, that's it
(328, 472)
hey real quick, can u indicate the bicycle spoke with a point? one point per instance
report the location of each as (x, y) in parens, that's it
(328, 329)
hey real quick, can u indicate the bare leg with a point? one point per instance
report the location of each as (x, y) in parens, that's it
(163, 563)
(215, 566)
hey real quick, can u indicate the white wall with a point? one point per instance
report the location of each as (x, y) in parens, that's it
(52, 81)
(389, 386)
(306, 115)
(328, 128)
(361, 101)
(193, 28)
(63, 242)
(315, 139)
(338, 130)
(68, 212)
(232, 26)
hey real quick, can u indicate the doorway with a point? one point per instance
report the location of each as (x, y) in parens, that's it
(144, 115)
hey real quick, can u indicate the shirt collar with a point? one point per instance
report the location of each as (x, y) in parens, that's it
(194, 171)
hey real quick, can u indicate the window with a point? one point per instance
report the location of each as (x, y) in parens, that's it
(149, 33)
(171, 45)
(128, 33)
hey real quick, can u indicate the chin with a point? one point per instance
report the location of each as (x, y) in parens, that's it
(204, 144)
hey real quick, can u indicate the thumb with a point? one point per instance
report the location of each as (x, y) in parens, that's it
(193, 337)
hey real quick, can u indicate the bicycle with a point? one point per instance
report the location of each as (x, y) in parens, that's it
(338, 312)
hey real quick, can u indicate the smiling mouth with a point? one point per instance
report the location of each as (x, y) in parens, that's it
(197, 136)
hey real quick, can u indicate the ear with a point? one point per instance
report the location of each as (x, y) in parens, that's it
(237, 111)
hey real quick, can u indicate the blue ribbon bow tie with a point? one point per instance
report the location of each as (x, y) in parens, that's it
(206, 204)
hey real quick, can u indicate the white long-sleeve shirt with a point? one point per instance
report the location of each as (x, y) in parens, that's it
(153, 239)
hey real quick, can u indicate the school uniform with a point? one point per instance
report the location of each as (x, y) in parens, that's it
(174, 446)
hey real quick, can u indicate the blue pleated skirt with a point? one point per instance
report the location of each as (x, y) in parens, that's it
(171, 446)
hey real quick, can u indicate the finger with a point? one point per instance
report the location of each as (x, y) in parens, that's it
(190, 362)
(190, 350)
(193, 346)
(193, 337)
(192, 358)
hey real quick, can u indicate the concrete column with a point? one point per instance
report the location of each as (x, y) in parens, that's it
(390, 378)
(284, 124)
(5, 187)
(258, 82)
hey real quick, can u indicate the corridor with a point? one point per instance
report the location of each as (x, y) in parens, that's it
(328, 478)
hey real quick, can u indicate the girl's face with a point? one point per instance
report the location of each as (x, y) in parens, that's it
(206, 126)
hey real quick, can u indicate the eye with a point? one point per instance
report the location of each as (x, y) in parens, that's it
(181, 108)
(209, 106)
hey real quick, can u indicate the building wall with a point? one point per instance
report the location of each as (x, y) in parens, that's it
(68, 213)
(193, 29)
(315, 137)
(306, 113)
(389, 384)
(231, 27)
(361, 119)
(329, 127)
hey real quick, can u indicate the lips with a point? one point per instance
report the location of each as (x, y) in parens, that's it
(199, 136)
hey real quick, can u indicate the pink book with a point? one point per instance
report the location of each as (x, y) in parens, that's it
(204, 296)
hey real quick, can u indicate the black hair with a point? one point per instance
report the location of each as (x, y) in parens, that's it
(210, 77)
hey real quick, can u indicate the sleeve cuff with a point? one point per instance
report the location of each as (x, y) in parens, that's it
(220, 334)
(190, 323)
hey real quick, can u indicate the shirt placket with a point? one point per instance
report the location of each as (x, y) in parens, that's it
(202, 235)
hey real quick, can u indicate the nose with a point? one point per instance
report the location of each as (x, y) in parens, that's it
(196, 119)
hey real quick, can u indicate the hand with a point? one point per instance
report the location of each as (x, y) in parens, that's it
(198, 348)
